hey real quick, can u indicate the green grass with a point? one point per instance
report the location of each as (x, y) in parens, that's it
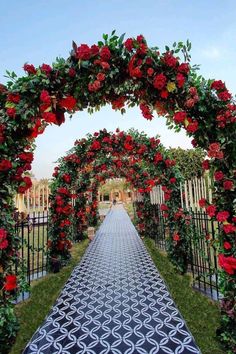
(200, 313)
(44, 293)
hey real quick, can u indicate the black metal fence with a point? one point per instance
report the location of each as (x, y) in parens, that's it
(32, 232)
(203, 260)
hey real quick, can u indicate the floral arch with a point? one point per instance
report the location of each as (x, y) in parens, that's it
(120, 73)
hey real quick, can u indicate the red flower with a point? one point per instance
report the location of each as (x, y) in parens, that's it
(192, 127)
(10, 282)
(26, 156)
(49, 117)
(179, 117)
(105, 53)
(218, 175)
(25, 184)
(29, 68)
(146, 112)
(13, 97)
(95, 86)
(66, 178)
(218, 85)
(68, 103)
(45, 97)
(164, 94)
(176, 237)
(96, 145)
(136, 72)
(83, 52)
(183, 68)
(222, 216)
(180, 79)
(229, 228)
(3, 240)
(173, 180)
(5, 165)
(206, 165)
(164, 207)
(170, 163)
(227, 263)
(46, 69)
(129, 44)
(158, 157)
(101, 76)
(228, 185)
(72, 72)
(105, 65)
(224, 96)
(227, 245)
(202, 202)
(118, 103)
(128, 146)
(150, 71)
(140, 38)
(11, 112)
(159, 81)
(211, 210)
(214, 151)
(170, 60)
(94, 50)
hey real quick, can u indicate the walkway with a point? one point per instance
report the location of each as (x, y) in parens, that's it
(114, 302)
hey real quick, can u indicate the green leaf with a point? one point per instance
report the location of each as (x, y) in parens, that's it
(121, 39)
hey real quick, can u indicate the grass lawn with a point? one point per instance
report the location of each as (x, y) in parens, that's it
(200, 313)
(44, 292)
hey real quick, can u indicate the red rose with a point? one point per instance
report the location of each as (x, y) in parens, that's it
(170, 163)
(146, 112)
(228, 185)
(140, 38)
(13, 97)
(128, 146)
(211, 210)
(224, 95)
(30, 69)
(184, 68)
(72, 72)
(170, 60)
(190, 103)
(46, 69)
(193, 91)
(95, 145)
(218, 175)
(105, 65)
(101, 76)
(95, 86)
(25, 184)
(11, 112)
(66, 178)
(164, 207)
(222, 216)
(159, 81)
(218, 85)
(206, 165)
(105, 53)
(5, 165)
(202, 202)
(227, 245)
(83, 52)
(194, 143)
(136, 72)
(49, 117)
(10, 282)
(227, 263)
(150, 71)
(164, 94)
(94, 50)
(229, 228)
(179, 117)
(176, 237)
(68, 103)
(180, 79)
(192, 127)
(158, 157)
(45, 97)
(173, 180)
(26, 156)
(118, 103)
(129, 44)
(3, 239)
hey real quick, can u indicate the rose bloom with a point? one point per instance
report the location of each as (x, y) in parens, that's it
(10, 282)
(101, 76)
(173, 180)
(158, 157)
(190, 103)
(192, 127)
(176, 237)
(183, 68)
(68, 103)
(26, 156)
(129, 44)
(229, 228)
(180, 79)
(179, 117)
(46, 69)
(224, 96)
(228, 185)
(193, 91)
(83, 52)
(95, 145)
(45, 97)
(49, 117)
(218, 85)
(159, 81)
(72, 72)
(227, 263)
(13, 97)
(211, 210)
(227, 245)
(206, 165)
(105, 65)
(11, 112)
(5, 165)
(29, 68)
(218, 175)
(222, 216)
(150, 71)
(202, 202)
(105, 53)
(94, 50)
(170, 60)
(164, 94)
(170, 163)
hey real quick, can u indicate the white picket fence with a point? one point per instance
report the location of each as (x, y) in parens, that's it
(191, 191)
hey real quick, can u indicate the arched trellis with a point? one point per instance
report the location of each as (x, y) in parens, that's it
(143, 161)
(120, 73)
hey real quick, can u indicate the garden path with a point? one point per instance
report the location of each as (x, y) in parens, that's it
(114, 302)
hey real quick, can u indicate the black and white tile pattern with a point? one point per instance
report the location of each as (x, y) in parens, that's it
(115, 302)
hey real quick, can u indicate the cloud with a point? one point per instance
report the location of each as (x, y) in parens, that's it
(211, 53)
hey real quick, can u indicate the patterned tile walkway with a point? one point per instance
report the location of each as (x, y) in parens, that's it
(114, 302)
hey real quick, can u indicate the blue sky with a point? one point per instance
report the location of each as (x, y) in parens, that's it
(38, 31)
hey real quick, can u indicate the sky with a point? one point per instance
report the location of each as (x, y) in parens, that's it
(39, 31)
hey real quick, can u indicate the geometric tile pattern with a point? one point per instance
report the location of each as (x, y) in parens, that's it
(114, 302)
